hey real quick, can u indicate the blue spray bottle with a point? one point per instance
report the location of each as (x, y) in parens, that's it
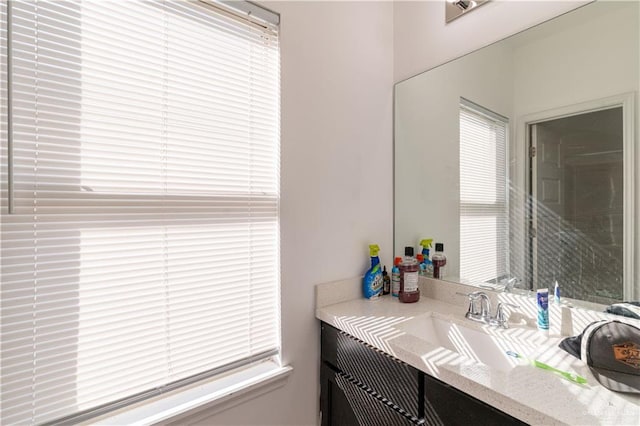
(426, 267)
(373, 280)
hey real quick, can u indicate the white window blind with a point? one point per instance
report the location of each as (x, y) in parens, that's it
(484, 215)
(143, 246)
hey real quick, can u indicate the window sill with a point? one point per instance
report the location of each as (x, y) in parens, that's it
(216, 394)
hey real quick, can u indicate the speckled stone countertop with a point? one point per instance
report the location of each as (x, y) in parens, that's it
(533, 395)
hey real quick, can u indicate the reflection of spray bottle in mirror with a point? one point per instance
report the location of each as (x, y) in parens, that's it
(439, 260)
(426, 267)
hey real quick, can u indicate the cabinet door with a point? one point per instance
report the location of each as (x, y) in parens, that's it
(346, 402)
(387, 376)
(446, 405)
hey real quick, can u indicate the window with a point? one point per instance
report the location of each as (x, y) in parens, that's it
(484, 216)
(140, 247)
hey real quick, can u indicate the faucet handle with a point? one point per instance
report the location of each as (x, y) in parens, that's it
(472, 310)
(501, 317)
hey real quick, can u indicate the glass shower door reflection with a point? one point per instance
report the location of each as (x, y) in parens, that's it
(576, 192)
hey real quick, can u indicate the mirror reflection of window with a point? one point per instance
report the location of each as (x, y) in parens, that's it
(484, 216)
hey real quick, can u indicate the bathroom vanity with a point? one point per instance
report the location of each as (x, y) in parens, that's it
(362, 385)
(388, 363)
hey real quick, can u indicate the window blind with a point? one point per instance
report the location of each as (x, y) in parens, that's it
(143, 246)
(484, 217)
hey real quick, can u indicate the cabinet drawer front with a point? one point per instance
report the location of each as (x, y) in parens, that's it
(446, 405)
(384, 374)
(351, 403)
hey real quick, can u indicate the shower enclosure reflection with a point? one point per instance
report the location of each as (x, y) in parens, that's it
(577, 210)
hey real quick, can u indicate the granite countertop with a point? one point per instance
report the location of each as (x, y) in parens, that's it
(530, 394)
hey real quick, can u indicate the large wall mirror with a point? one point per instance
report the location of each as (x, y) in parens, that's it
(521, 158)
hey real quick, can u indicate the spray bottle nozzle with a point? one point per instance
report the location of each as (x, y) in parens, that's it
(426, 243)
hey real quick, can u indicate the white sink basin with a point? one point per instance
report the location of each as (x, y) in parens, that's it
(488, 346)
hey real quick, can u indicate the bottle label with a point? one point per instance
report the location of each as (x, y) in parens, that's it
(410, 282)
(378, 283)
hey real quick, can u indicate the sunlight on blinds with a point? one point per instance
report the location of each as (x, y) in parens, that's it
(144, 247)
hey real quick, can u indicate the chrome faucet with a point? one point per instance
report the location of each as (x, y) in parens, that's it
(479, 307)
(480, 310)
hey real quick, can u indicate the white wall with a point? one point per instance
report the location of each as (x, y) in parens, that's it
(599, 39)
(337, 115)
(422, 40)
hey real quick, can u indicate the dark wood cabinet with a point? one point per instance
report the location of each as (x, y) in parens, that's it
(363, 386)
(446, 405)
(374, 369)
(347, 402)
